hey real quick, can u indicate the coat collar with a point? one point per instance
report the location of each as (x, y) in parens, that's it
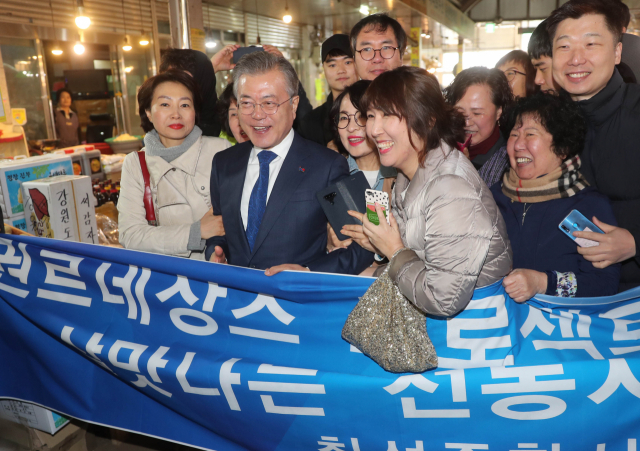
(600, 107)
(187, 163)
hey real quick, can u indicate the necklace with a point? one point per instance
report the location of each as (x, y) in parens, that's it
(525, 211)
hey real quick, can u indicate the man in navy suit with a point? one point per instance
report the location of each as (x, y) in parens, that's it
(265, 189)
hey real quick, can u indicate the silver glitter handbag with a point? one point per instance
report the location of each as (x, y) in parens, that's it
(389, 329)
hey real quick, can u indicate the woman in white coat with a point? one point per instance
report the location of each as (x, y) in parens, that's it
(178, 159)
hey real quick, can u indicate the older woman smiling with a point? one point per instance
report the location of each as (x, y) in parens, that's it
(542, 187)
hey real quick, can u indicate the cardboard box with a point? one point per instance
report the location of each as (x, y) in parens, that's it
(32, 416)
(85, 161)
(50, 210)
(13, 173)
(85, 209)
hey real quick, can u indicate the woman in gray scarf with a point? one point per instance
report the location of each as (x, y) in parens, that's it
(178, 159)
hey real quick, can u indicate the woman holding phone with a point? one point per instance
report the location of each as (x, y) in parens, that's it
(446, 236)
(544, 185)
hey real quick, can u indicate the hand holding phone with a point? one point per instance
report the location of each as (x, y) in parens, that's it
(372, 197)
(577, 222)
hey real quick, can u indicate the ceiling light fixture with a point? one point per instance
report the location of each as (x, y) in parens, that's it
(78, 48)
(364, 9)
(287, 16)
(56, 50)
(144, 39)
(82, 20)
(126, 46)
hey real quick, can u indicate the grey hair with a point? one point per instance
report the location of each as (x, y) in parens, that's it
(262, 62)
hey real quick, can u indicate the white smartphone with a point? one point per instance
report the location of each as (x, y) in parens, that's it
(372, 197)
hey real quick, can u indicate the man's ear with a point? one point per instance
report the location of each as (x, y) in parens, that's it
(294, 104)
(618, 52)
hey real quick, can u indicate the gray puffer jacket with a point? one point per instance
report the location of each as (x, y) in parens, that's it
(456, 234)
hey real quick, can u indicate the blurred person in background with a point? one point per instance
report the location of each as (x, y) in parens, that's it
(520, 73)
(542, 187)
(227, 111)
(586, 38)
(446, 235)
(339, 70)
(67, 125)
(178, 158)
(378, 43)
(482, 95)
(540, 53)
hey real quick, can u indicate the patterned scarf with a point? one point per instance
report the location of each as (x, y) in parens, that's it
(564, 181)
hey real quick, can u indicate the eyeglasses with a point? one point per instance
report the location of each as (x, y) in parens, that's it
(343, 120)
(369, 53)
(267, 107)
(511, 74)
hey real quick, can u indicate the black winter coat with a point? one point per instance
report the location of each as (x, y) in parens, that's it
(611, 159)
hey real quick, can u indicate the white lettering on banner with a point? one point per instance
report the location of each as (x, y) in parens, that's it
(65, 336)
(125, 284)
(9, 258)
(106, 296)
(329, 445)
(94, 347)
(134, 356)
(563, 345)
(145, 314)
(409, 410)
(391, 446)
(53, 278)
(143, 382)
(536, 319)
(181, 374)
(156, 361)
(534, 447)
(619, 374)
(465, 446)
(527, 382)
(212, 294)
(210, 327)
(23, 273)
(287, 387)
(180, 287)
(621, 330)
(274, 308)
(227, 379)
(478, 346)
(15, 291)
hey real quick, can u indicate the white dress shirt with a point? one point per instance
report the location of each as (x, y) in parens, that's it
(253, 173)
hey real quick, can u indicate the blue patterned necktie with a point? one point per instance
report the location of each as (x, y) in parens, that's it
(258, 199)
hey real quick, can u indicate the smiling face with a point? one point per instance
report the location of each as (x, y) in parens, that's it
(391, 136)
(530, 149)
(172, 113)
(516, 74)
(354, 137)
(266, 130)
(584, 55)
(544, 75)
(480, 114)
(340, 72)
(371, 37)
(234, 123)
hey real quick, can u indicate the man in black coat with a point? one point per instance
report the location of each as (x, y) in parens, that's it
(586, 37)
(340, 72)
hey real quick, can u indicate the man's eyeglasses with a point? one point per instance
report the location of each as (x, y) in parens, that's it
(268, 107)
(511, 74)
(342, 121)
(369, 53)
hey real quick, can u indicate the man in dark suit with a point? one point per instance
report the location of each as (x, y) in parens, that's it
(265, 189)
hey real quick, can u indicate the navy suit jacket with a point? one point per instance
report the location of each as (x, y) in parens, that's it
(294, 226)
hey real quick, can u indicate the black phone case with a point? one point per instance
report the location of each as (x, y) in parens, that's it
(242, 51)
(346, 194)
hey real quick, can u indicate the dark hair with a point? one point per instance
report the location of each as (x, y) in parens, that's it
(145, 94)
(558, 114)
(336, 53)
(182, 59)
(414, 95)
(222, 108)
(501, 94)
(379, 22)
(540, 43)
(521, 57)
(60, 91)
(612, 11)
(355, 93)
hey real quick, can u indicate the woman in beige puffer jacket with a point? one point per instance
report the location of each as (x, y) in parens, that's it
(446, 235)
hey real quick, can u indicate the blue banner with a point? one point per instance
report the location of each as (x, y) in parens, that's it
(225, 358)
